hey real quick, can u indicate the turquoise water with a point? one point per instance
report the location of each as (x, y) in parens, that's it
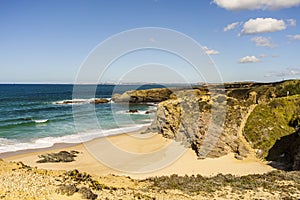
(31, 116)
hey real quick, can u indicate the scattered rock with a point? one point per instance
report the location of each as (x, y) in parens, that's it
(99, 101)
(70, 102)
(150, 112)
(87, 193)
(133, 111)
(252, 97)
(92, 101)
(62, 156)
(238, 157)
(67, 189)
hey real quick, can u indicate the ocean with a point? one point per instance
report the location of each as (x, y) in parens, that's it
(32, 116)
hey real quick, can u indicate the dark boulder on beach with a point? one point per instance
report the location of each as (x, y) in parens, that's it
(62, 156)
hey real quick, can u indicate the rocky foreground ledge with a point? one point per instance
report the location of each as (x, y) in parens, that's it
(19, 181)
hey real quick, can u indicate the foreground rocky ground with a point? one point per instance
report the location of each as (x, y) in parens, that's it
(18, 181)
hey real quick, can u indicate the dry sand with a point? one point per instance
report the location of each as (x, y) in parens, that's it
(143, 155)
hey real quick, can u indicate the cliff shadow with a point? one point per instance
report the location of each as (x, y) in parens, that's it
(285, 153)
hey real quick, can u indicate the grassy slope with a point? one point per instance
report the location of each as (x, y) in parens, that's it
(269, 122)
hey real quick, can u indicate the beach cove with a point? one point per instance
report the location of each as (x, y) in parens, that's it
(161, 160)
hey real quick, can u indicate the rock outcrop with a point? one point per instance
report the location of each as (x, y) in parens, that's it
(99, 101)
(62, 156)
(83, 101)
(143, 96)
(133, 111)
(213, 119)
(188, 117)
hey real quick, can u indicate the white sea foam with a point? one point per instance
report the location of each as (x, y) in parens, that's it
(71, 101)
(77, 101)
(40, 121)
(7, 145)
(139, 112)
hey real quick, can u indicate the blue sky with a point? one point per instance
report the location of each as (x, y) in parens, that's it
(47, 41)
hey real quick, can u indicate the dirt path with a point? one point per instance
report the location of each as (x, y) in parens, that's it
(240, 132)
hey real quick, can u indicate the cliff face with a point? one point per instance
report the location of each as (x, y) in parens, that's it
(188, 119)
(175, 118)
(256, 116)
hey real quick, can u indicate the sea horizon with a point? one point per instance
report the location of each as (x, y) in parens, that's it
(34, 115)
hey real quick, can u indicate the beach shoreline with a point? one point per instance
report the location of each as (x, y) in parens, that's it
(142, 145)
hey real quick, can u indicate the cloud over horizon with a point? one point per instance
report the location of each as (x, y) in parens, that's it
(262, 25)
(291, 22)
(210, 51)
(263, 42)
(294, 37)
(256, 4)
(231, 26)
(249, 59)
(290, 71)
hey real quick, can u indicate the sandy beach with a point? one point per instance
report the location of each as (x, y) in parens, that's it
(140, 156)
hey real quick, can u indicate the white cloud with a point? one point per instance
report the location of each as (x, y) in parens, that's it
(263, 55)
(294, 37)
(262, 25)
(231, 26)
(290, 71)
(292, 22)
(256, 4)
(249, 59)
(263, 42)
(210, 51)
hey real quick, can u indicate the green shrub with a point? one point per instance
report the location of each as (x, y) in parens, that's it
(269, 122)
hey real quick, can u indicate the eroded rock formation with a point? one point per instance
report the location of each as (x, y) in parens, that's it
(143, 96)
(215, 123)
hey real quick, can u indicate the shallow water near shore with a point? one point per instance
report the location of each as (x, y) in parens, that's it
(32, 117)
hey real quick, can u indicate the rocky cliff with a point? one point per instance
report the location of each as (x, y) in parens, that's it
(244, 118)
(142, 96)
(188, 119)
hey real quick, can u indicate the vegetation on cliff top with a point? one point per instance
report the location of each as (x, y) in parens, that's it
(271, 121)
